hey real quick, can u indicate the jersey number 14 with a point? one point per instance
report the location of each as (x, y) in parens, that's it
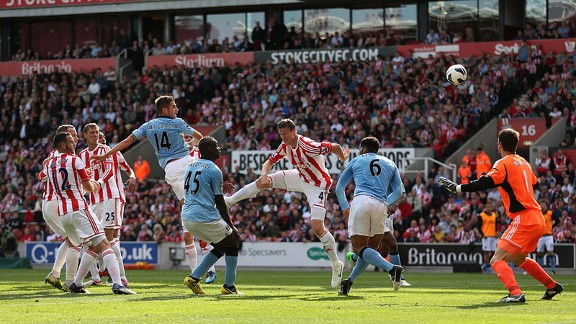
(164, 141)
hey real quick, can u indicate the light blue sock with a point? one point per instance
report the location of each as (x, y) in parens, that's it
(374, 258)
(395, 258)
(540, 261)
(209, 260)
(354, 257)
(231, 264)
(360, 266)
(552, 261)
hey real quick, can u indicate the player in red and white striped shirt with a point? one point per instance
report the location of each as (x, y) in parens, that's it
(68, 175)
(67, 253)
(309, 176)
(107, 203)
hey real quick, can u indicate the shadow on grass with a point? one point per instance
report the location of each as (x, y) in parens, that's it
(488, 305)
(216, 298)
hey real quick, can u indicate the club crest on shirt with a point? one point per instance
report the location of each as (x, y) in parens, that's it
(305, 165)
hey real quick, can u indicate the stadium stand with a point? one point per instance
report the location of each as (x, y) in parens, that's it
(402, 101)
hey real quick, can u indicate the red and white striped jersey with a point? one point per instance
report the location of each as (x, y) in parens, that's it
(105, 172)
(195, 153)
(48, 188)
(308, 159)
(66, 173)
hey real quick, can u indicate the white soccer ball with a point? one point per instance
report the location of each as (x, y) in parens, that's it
(456, 74)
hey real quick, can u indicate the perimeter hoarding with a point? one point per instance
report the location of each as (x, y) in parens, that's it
(242, 160)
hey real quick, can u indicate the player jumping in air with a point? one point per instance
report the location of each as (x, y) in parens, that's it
(309, 176)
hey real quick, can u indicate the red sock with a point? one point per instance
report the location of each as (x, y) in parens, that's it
(536, 271)
(506, 276)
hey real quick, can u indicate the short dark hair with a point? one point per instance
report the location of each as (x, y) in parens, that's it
(509, 139)
(64, 128)
(205, 145)
(60, 138)
(163, 102)
(286, 123)
(372, 144)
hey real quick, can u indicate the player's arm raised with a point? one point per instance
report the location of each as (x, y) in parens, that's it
(131, 183)
(196, 137)
(342, 154)
(120, 146)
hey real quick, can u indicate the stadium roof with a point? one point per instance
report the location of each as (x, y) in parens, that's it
(21, 8)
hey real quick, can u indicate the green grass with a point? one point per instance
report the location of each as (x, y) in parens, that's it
(285, 297)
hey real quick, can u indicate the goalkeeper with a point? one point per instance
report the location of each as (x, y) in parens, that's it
(514, 178)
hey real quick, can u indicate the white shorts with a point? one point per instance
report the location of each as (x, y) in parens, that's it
(367, 216)
(175, 174)
(489, 244)
(50, 214)
(211, 232)
(290, 180)
(81, 226)
(389, 224)
(109, 212)
(545, 244)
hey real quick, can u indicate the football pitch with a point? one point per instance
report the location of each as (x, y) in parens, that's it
(285, 297)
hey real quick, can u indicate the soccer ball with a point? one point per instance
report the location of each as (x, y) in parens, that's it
(456, 74)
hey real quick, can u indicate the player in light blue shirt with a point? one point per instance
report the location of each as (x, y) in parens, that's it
(205, 215)
(203, 182)
(165, 133)
(373, 175)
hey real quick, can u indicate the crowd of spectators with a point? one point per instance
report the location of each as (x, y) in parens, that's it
(404, 102)
(273, 36)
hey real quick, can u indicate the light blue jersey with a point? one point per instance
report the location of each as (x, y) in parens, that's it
(374, 175)
(203, 181)
(165, 135)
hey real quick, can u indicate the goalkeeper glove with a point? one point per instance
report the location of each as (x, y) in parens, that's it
(448, 185)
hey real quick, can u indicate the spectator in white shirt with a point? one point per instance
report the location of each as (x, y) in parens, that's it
(94, 87)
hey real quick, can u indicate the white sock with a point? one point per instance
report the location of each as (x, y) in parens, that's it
(94, 273)
(101, 265)
(86, 263)
(60, 260)
(72, 256)
(111, 263)
(191, 256)
(248, 191)
(330, 246)
(116, 247)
